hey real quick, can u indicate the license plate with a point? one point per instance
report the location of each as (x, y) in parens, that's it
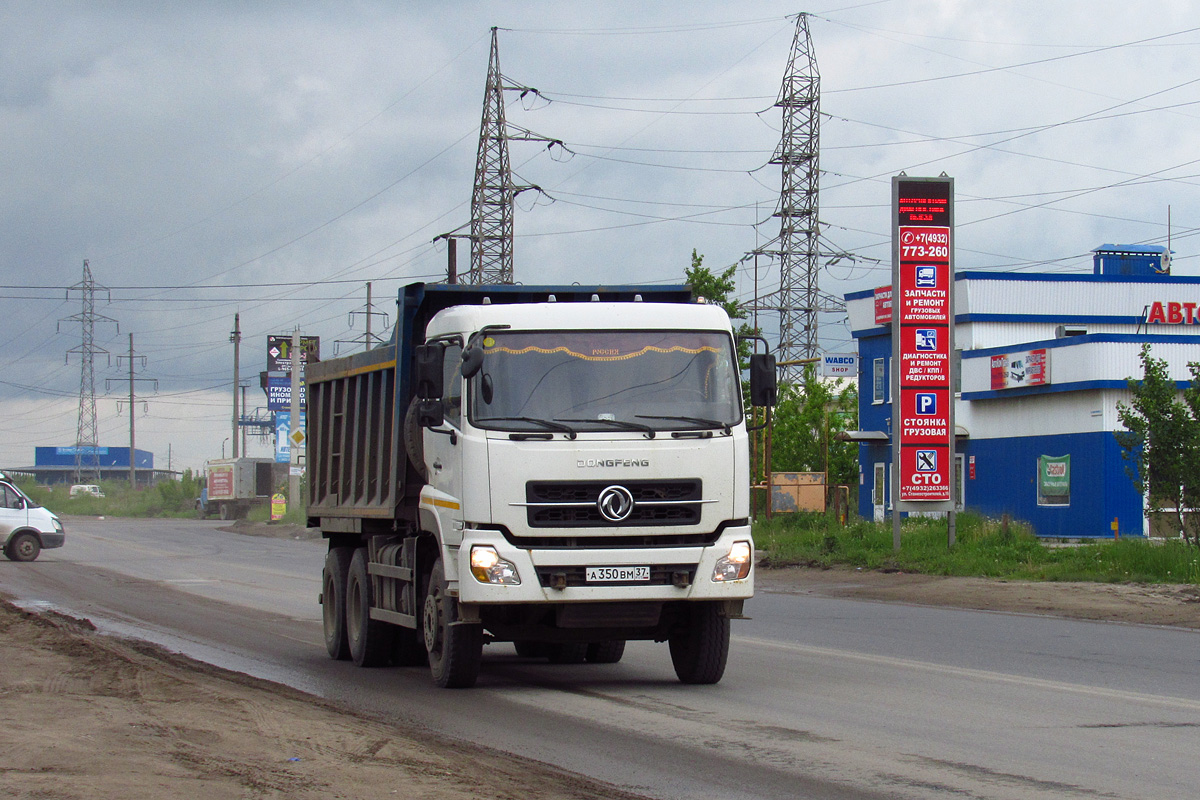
(615, 574)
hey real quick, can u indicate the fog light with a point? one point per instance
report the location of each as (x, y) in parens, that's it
(488, 567)
(735, 565)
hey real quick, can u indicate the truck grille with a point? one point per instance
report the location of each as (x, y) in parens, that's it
(574, 504)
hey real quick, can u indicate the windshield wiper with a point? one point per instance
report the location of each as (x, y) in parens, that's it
(545, 423)
(708, 423)
(619, 424)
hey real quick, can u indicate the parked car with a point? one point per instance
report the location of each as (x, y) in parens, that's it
(86, 488)
(25, 527)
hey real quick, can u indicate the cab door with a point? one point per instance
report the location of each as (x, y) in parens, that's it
(443, 445)
(13, 514)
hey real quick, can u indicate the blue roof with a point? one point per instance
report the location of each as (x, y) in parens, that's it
(1140, 249)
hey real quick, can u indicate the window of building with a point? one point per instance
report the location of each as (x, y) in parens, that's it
(880, 393)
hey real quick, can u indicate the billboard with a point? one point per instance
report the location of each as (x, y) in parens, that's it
(923, 341)
(1014, 370)
(279, 351)
(279, 393)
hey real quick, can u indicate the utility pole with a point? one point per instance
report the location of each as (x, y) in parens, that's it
(86, 430)
(293, 446)
(132, 382)
(236, 338)
(368, 339)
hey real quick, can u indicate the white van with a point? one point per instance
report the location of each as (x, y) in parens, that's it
(26, 527)
(86, 488)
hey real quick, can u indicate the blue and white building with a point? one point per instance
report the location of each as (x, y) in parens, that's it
(1044, 361)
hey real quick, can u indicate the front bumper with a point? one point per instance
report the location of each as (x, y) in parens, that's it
(537, 566)
(50, 540)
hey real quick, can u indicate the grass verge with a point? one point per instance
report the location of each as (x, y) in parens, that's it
(983, 548)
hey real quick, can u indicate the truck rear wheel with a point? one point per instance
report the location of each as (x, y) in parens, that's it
(700, 644)
(371, 641)
(333, 601)
(455, 649)
(567, 652)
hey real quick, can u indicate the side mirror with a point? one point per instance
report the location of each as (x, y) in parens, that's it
(472, 361)
(430, 413)
(764, 387)
(427, 375)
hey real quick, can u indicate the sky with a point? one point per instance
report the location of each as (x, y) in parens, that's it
(270, 159)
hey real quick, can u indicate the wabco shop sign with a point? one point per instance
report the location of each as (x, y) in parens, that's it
(839, 365)
(923, 340)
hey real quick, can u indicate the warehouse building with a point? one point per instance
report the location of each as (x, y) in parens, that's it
(1044, 360)
(58, 465)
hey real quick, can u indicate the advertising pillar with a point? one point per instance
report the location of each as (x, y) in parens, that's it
(922, 345)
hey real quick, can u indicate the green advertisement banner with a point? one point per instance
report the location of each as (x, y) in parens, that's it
(1054, 475)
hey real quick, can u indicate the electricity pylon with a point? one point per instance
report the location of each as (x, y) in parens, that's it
(87, 456)
(798, 299)
(492, 197)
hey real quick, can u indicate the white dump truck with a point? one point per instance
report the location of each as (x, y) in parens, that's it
(564, 468)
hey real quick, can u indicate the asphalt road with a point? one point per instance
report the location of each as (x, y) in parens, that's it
(823, 698)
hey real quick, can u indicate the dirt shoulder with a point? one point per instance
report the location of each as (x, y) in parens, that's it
(91, 716)
(1168, 604)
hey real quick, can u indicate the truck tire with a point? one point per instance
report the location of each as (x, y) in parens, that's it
(371, 641)
(527, 648)
(333, 601)
(609, 652)
(700, 644)
(23, 547)
(224, 511)
(567, 652)
(454, 649)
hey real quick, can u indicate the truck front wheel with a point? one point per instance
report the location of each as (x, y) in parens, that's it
(700, 643)
(455, 648)
(333, 601)
(371, 641)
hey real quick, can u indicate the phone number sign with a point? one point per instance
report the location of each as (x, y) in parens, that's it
(923, 338)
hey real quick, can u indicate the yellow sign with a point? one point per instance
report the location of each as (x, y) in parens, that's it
(278, 507)
(297, 437)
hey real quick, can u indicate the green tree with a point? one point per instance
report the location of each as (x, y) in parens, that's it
(1161, 442)
(807, 420)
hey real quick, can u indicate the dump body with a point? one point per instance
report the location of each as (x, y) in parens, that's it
(564, 468)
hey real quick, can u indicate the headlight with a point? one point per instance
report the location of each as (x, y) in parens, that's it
(488, 567)
(736, 564)
(58, 526)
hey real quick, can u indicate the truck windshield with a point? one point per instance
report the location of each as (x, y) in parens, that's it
(606, 380)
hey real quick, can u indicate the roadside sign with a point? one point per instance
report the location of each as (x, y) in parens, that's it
(283, 431)
(278, 507)
(279, 351)
(839, 365)
(923, 341)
